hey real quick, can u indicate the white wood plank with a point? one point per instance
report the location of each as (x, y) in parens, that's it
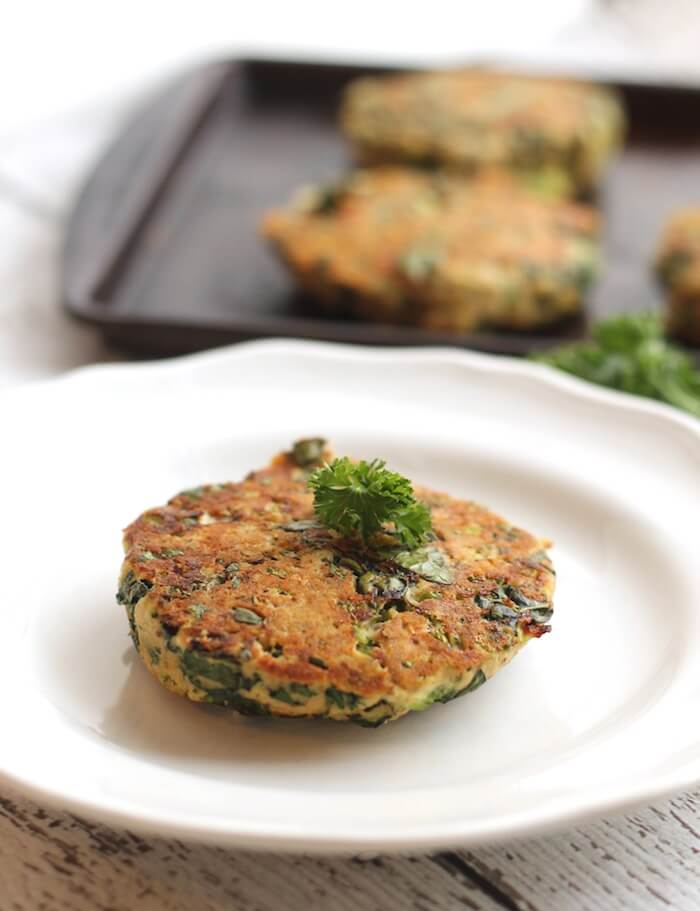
(645, 861)
(51, 861)
(650, 859)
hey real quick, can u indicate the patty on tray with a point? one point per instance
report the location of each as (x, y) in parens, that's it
(560, 131)
(678, 268)
(439, 251)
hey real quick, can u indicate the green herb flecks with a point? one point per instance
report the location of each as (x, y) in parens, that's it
(429, 562)
(301, 525)
(327, 199)
(419, 263)
(360, 498)
(308, 452)
(477, 680)
(351, 564)
(364, 636)
(382, 585)
(517, 597)
(341, 698)
(131, 590)
(293, 693)
(365, 722)
(541, 615)
(233, 699)
(194, 493)
(630, 353)
(198, 610)
(540, 558)
(415, 597)
(222, 671)
(508, 604)
(147, 555)
(243, 615)
(154, 655)
(437, 630)
(446, 693)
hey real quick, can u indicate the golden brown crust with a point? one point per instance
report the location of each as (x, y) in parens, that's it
(222, 556)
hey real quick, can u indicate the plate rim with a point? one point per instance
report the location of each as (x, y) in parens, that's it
(264, 836)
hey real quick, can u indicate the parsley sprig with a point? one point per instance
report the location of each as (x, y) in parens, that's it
(362, 498)
(630, 353)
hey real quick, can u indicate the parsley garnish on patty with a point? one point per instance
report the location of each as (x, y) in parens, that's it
(362, 498)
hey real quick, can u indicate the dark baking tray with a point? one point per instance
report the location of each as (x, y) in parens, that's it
(162, 251)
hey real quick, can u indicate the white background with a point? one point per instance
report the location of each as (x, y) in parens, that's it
(54, 56)
(58, 56)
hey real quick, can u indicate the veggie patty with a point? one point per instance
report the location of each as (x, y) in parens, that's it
(556, 131)
(405, 246)
(678, 269)
(236, 595)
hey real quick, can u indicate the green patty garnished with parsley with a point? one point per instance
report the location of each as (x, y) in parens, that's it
(329, 588)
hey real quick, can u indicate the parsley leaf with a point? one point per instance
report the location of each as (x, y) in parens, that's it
(630, 353)
(358, 498)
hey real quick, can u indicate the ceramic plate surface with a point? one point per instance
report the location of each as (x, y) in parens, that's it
(598, 716)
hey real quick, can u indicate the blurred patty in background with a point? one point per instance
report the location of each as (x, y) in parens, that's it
(560, 132)
(437, 250)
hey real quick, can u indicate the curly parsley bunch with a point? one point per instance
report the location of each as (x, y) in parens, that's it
(362, 498)
(631, 353)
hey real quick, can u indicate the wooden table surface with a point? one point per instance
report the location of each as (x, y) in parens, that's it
(51, 860)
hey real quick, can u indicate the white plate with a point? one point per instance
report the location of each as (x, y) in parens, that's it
(597, 716)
